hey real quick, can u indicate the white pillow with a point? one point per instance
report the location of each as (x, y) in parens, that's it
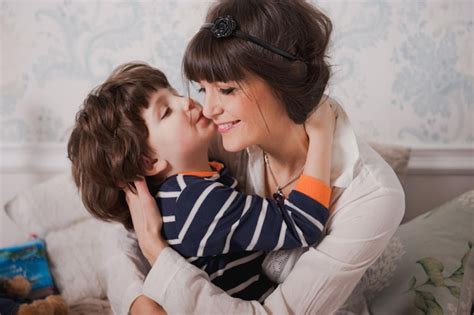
(76, 256)
(51, 205)
(74, 239)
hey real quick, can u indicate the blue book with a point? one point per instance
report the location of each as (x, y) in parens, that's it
(30, 261)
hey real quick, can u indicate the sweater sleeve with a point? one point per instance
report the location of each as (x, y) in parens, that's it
(214, 219)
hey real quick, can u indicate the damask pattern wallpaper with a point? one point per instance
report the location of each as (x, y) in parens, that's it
(403, 69)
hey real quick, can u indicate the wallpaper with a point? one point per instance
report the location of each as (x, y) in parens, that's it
(403, 69)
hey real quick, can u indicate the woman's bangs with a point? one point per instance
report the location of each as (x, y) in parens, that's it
(212, 60)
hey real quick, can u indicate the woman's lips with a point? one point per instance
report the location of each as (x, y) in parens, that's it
(226, 127)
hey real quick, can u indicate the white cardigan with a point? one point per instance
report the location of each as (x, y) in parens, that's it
(367, 205)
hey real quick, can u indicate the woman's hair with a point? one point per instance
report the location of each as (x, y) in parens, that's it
(108, 145)
(291, 25)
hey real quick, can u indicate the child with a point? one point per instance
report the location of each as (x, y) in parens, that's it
(135, 124)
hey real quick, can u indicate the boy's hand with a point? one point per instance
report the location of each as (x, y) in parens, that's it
(322, 122)
(320, 127)
(147, 220)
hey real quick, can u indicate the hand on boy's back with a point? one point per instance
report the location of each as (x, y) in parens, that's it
(147, 220)
(322, 121)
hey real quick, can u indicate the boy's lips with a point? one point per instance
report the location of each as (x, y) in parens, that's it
(227, 126)
(200, 116)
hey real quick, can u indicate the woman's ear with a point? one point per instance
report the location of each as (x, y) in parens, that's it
(154, 167)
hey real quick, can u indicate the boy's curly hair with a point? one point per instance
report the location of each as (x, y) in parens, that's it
(108, 145)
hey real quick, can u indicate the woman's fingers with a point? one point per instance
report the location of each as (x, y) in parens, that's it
(128, 194)
(146, 218)
(142, 188)
(143, 208)
(142, 194)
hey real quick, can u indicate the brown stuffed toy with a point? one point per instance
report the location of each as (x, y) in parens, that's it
(13, 299)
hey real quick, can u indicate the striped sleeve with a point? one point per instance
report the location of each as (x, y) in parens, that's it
(214, 219)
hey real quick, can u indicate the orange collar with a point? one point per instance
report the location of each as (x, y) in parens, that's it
(216, 166)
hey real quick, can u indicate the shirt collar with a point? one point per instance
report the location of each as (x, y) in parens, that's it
(216, 166)
(345, 155)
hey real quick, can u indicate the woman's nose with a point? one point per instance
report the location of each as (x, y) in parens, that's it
(211, 107)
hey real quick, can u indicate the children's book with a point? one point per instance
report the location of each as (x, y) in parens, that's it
(30, 261)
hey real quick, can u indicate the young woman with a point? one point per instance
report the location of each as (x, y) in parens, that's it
(262, 66)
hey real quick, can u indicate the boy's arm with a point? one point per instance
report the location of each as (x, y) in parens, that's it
(214, 219)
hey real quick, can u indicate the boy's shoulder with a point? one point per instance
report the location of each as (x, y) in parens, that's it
(199, 180)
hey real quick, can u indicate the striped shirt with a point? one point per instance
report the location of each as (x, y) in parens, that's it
(226, 233)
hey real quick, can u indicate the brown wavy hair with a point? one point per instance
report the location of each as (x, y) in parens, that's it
(292, 25)
(108, 145)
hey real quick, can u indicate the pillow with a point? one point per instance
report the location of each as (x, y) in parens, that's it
(48, 206)
(74, 239)
(435, 274)
(76, 256)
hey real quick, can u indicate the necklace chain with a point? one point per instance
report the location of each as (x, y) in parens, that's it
(279, 192)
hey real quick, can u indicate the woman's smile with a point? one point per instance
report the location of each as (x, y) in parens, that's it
(227, 126)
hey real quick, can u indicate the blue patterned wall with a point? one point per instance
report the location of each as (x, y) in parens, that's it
(403, 69)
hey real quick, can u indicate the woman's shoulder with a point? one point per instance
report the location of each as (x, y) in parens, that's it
(359, 156)
(375, 197)
(377, 168)
(371, 188)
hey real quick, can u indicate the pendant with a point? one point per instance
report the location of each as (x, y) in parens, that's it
(279, 196)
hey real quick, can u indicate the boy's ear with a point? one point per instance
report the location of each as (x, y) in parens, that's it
(154, 167)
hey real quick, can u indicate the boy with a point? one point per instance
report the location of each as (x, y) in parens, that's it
(135, 124)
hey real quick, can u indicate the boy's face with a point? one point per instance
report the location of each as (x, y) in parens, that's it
(177, 128)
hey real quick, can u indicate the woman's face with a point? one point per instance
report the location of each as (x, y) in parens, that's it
(245, 111)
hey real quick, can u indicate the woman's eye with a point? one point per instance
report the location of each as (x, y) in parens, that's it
(202, 90)
(227, 91)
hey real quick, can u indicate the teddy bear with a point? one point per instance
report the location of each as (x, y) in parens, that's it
(14, 299)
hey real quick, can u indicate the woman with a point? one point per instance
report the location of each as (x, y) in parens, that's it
(262, 67)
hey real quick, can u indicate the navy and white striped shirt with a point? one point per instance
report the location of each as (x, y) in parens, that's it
(226, 232)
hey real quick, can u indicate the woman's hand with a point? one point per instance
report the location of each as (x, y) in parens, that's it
(147, 220)
(145, 305)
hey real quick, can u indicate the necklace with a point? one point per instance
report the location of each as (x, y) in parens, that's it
(278, 194)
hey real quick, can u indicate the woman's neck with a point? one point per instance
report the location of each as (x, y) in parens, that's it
(286, 148)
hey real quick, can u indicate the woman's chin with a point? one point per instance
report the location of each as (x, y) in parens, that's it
(233, 145)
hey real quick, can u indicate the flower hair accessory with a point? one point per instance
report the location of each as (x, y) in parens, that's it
(226, 26)
(223, 26)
